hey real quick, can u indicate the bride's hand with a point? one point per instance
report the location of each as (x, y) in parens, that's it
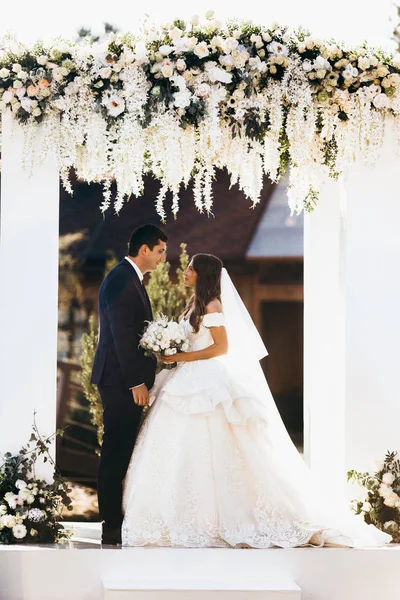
(170, 358)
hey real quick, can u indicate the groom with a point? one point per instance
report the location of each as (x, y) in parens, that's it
(123, 374)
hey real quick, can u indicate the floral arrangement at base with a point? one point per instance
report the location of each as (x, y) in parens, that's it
(381, 503)
(162, 336)
(30, 508)
(189, 97)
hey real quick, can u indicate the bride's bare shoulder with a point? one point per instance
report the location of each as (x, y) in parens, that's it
(214, 306)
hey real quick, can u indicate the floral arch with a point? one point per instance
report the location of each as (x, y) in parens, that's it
(187, 98)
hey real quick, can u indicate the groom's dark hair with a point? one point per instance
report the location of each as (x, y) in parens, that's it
(150, 235)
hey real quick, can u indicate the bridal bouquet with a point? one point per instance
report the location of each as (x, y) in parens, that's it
(162, 336)
(381, 504)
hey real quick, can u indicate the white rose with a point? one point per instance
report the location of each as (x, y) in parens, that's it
(191, 43)
(26, 104)
(105, 72)
(42, 59)
(17, 84)
(227, 60)
(382, 72)
(203, 90)
(391, 500)
(167, 70)
(388, 478)
(364, 63)
(16, 68)
(381, 101)
(231, 44)
(307, 66)
(366, 507)
(201, 50)
(7, 96)
(4, 73)
(175, 33)
(165, 50)
(266, 37)
(22, 75)
(180, 64)
(9, 521)
(384, 490)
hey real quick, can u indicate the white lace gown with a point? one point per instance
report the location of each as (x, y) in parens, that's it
(205, 473)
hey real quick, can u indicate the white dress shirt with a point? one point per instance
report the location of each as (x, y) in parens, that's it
(140, 275)
(134, 265)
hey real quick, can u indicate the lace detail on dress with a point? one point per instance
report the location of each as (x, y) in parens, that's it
(215, 319)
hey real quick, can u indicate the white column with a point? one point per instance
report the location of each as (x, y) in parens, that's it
(28, 293)
(324, 337)
(352, 320)
(373, 308)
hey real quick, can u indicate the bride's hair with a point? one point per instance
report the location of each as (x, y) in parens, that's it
(208, 286)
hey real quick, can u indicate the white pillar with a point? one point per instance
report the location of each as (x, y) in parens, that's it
(373, 308)
(28, 293)
(324, 337)
(352, 320)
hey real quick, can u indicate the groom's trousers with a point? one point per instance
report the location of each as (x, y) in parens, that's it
(121, 419)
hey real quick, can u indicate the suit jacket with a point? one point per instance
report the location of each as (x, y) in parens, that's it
(124, 308)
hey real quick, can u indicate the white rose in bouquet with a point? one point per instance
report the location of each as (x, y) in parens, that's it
(164, 337)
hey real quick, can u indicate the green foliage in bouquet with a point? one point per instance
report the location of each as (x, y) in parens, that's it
(381, 505)
(167, 297)
(30, 508)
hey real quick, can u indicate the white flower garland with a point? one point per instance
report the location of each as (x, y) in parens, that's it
(187, 99)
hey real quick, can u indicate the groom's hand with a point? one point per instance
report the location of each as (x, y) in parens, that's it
(141, 395)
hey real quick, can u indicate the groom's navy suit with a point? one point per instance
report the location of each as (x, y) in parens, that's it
(119, 365)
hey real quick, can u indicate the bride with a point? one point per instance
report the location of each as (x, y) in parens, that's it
(214, 465)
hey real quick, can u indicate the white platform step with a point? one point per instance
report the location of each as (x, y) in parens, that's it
(230, 589)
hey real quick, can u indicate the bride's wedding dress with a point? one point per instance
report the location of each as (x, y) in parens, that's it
(214, 466)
